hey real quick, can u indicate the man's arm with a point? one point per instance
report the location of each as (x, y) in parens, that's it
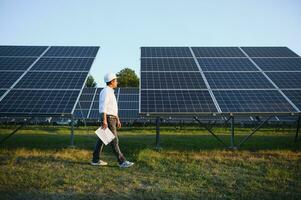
(104, 121)
(118, 122)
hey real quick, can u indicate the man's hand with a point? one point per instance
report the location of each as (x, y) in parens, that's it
(118, 124)
(104, 124)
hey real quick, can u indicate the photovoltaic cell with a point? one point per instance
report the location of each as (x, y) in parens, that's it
(168, 64)
(237, 80)
(53, 80)
(128, 115)
(22, 50)
(16, 63)
(176, 101)
(7, 79)
(165, 52)
(129, 97)
(63, 64)
(128, 105)
(294, 96)
(252, 101)
(217, 52)
(94, 114)
(269, 52)
(286, 79)
(226, 64)
(72, 51)
(172, 80)
(2, 92)
(39, 102)
(279, 64)
(82, 114)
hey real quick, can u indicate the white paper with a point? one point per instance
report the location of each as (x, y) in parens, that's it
(105, 135)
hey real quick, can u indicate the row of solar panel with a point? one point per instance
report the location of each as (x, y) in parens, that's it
(219, 80)
(217, 52)
(54, 51)
(200, 101)
(220, 64)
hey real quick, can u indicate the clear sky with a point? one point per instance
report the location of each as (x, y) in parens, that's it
(122, 27)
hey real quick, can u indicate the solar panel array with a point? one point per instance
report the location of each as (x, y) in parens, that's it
(43, 80)
(207, 80)
(127, 98)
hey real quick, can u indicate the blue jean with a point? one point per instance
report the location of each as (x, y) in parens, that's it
(112, 125)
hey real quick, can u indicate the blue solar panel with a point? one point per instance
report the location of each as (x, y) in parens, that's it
(2, 92)
(94, 114)
(45, 86)
(63, 64)
(128, 115)
(53, 80)
(168, 64)
(129, 97)
(237, 80)
(165, 52)
(252, 101)
(217, 52)
(22, 50)
(286, 79)
(128, 105)
(7, 79)
(269, 52)
(226, 64)
(72, 51)
(16, 63)
(82, 113)
(176, 101)
(279, 64)
(294, 96)
(172, 80)
(50, 102)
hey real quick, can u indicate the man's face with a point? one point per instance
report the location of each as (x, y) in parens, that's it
(114, 83)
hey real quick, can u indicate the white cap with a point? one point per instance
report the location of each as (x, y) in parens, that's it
(109, 76)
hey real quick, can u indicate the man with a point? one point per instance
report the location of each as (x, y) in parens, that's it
(109, 117)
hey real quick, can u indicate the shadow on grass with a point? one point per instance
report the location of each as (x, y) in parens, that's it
(131, 144)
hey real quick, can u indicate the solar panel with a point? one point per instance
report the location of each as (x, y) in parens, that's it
(168, 64)
(16, 63)
(33, 85)
(85, 102)
(279, 64)
(227, 80)
(67, 51)
(217, 52)
(63, 64)
(2, 92)
(286, 79)
(128, 104)
(180, 80)
(40, 102)
(226, 64)
(252, 101)
(176, 101)
(22, 50)
(53, 80)
(129, 97)
(165, 52)
(269, 52)
(7, 79)
(237, 80)
(294, 96)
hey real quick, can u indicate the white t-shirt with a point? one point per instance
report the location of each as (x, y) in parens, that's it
(108, 102)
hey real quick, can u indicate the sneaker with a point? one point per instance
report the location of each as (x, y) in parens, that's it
(126, 164)
(99, 163)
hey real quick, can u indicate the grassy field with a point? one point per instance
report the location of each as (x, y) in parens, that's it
(37, 163)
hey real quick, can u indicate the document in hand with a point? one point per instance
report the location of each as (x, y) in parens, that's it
(105, 135)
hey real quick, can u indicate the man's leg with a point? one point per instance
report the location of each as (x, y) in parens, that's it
(112, 124)
(97, 149)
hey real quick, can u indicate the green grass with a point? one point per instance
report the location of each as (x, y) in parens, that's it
(37, 163)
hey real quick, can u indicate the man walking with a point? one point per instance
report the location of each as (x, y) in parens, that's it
(108, 109)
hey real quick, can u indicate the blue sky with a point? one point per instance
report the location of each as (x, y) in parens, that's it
(122, 27)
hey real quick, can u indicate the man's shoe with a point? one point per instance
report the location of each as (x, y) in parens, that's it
(99, 163)
(126, 164)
